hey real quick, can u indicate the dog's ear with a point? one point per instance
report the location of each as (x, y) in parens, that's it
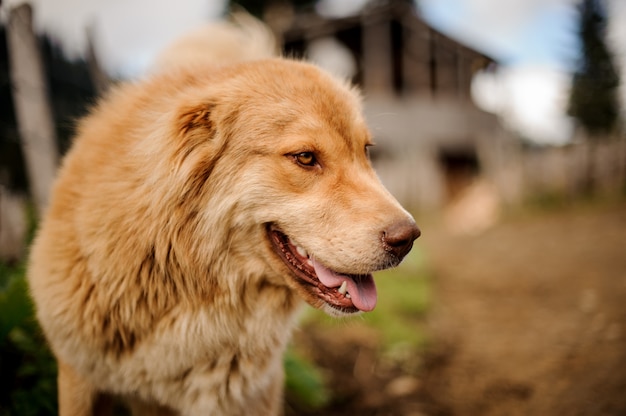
(195, 116)
(195, 131)
(196, 146)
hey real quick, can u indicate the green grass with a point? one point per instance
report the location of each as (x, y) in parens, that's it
(404, 295)
(15, 306)
(304, 383)
(27, 368)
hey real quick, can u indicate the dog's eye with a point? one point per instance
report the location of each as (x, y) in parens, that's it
(305, 159)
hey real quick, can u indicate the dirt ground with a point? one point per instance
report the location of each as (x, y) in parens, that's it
(528, 318)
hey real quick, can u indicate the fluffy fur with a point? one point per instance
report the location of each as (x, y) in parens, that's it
(153, 273)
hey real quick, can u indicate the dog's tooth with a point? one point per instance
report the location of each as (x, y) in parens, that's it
(343, 288)
(302, 251)
(348, 296)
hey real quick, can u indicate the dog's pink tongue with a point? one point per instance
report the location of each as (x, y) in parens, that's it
(362, 293)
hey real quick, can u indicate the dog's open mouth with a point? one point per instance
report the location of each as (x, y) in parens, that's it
(346, 292)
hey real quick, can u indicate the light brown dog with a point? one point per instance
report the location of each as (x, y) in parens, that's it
(193, 212)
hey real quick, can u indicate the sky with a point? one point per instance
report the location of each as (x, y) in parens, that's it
(127, 34)
(534, 41)
(536, 45)
(516, 32)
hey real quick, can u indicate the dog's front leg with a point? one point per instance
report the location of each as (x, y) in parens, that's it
(77, 397)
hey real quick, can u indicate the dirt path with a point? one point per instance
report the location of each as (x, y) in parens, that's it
(530, 317)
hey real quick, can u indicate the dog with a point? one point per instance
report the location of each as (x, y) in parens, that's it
(194, 213)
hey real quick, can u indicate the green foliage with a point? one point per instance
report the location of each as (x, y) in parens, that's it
(15, 307)
(27, 368)
(304, 383)
(593, 98)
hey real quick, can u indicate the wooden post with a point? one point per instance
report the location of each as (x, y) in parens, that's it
(99, 78)
(377, 55)
(32, 105)
(432, 61)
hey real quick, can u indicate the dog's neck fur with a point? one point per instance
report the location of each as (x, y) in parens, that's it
(169, 282)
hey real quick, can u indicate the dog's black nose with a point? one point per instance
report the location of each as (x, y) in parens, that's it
(398, 238)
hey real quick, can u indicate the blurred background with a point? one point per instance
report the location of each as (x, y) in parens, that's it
(498, 124)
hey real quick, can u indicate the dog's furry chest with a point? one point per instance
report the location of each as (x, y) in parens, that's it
(202, 363)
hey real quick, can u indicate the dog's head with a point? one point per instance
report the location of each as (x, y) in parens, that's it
(287, 151)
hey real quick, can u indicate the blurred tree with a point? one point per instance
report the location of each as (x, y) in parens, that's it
(593, 99)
